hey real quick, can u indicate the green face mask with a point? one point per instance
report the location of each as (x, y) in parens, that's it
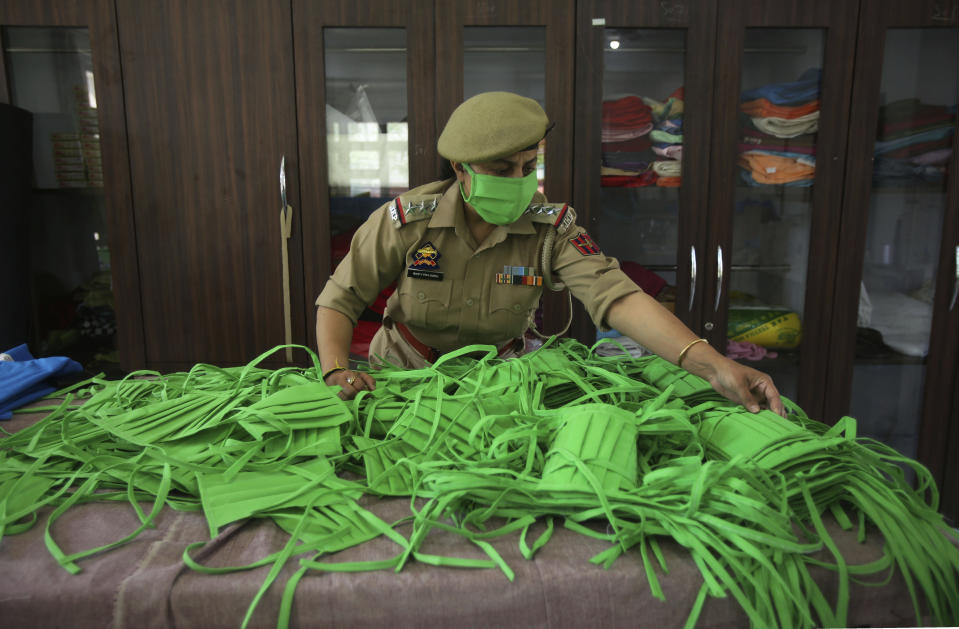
(499, 200)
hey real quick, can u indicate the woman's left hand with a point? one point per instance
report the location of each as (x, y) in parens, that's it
(747, 386)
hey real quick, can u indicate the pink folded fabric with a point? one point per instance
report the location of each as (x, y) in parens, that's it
(747, 351)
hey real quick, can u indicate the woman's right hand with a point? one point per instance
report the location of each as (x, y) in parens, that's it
(350, 382)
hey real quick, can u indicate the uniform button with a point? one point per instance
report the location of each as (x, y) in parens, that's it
(516, 307)
(420, 295)
(469, 302)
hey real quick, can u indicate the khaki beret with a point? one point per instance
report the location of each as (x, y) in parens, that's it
(492, 125)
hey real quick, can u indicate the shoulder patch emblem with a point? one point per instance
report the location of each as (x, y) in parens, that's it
(585, 245)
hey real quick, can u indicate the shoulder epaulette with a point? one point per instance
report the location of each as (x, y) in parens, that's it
(559, 215)
(405, 210)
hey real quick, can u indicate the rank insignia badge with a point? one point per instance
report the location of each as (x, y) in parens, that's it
(585, 245)
(523, 275)
(425, 264)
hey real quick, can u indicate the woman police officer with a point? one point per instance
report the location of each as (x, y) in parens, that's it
(466, 256)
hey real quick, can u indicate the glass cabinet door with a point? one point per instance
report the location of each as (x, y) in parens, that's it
(367, 139)
(778, 157)
(507, 59)
(50, 73)
(912, 150)
(775, 154)
(643, 129)
(642, 145)
(365, 88)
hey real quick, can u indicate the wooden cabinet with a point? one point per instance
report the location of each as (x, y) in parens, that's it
(862, 246)
(723, 241)
(354, 95)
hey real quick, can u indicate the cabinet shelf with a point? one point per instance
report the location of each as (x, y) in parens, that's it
(791, 193)
(774, 268)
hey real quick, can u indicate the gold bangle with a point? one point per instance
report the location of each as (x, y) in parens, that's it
(333, 370)
(682, 354)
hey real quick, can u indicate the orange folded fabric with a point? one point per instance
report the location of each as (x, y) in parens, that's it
(669, 182)
(762, 108)
(773, 169)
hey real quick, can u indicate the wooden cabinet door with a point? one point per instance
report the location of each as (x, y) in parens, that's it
(895, 327)
(645, 67)
(210, 102)
(96, 19)
(780, 123)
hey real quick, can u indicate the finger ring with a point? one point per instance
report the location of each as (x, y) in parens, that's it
(351, 380)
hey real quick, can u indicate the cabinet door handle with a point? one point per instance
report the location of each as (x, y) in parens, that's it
(286, 228)
(719, 276)
(955, 290)
(692, 276)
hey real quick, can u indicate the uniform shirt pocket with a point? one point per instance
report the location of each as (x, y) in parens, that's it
(510, 307)
(427, 303)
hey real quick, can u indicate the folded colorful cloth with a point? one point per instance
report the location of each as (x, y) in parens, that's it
(607, 171)
(794, 93)
(662, 136)
(777, 148)
(932, 158)
(665, 110)
(24, 378)
(762, 108)
(641, 180)
(902, 142)
(767, 168)
(747, 178)
(628, 112)
(788, 127)
(670, 125)
(919, 148)
(911, 114)
(668, 168)
(620, 135)
(669, 151)
(751, 134)
(629, 161)
(747, 351)
(669, 182)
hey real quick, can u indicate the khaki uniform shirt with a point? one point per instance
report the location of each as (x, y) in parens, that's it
(452, 291)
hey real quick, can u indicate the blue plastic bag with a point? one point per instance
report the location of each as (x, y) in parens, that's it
(25, 378)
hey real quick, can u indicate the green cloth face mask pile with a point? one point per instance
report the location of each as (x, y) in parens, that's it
(632, 451)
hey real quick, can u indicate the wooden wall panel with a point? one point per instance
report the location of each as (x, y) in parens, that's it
(210, 100)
